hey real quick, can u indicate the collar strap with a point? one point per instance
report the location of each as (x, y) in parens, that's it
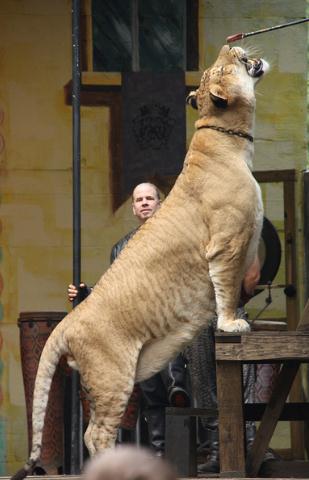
(229, 132)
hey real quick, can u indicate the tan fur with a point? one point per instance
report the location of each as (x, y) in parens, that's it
(182, 265)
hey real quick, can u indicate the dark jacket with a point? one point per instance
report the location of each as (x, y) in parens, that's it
(121, 244)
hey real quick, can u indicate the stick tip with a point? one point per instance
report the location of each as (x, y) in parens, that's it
(234, 38)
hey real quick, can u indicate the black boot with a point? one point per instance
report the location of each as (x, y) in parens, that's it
(125, 436)
(212, 464)
(155, 401)
(175, 377)
(250, 434)
(155, 419)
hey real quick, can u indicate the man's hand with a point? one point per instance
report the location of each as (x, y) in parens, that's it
(73, 291)
(252, 277)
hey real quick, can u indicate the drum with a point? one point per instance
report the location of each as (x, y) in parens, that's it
(35, 328)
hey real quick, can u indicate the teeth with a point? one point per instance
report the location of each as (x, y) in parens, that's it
(255, 68)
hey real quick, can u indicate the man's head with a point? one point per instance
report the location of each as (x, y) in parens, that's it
(145, 201)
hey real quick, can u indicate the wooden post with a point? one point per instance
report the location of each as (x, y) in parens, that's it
(292, 311)
(231, 419)
(180, 443)
(271, 417)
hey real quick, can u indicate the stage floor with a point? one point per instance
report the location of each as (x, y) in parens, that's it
(275, 469)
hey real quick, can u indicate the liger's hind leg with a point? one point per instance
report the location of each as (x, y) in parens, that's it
(109, 388)
(109, 410)
(89, 414)
(88, 433)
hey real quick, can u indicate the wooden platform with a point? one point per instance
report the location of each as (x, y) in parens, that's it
(287, 469)
(272, 469)
(232, 350)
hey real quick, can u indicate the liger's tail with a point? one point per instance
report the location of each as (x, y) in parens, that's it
(54, 348)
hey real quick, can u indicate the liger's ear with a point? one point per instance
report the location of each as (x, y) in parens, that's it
(191, 99)
(218, 97)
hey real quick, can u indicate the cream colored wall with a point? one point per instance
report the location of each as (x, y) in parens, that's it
(35, 162)
(36, 190)
(35, 48)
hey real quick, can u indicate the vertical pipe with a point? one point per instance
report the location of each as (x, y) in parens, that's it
(135, 36)
(75, 433)
(135, 65)
(184, 32)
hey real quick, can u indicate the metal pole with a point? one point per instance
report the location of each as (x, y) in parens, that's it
(76, 435)
(135, 36)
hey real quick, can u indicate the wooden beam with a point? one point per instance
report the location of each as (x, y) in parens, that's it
(298, 411)
(275, 176)
(264, 347)
(270, 417)
(252, 411)
(231, 419)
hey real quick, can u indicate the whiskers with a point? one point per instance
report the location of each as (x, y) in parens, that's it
(256, 51)
(251, 50)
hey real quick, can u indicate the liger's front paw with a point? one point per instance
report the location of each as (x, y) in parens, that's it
(237, 325)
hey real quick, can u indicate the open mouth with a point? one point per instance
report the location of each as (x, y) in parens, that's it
(255, 68)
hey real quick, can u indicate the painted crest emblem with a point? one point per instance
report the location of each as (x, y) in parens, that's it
(152, 126)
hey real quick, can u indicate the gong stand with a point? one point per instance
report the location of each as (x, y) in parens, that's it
(288, 178)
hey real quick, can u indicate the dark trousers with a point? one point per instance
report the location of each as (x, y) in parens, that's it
(157, 392)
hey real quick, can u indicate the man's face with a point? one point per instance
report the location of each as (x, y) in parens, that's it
(145, 201)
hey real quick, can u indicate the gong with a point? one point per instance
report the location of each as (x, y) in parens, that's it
(269, 253)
